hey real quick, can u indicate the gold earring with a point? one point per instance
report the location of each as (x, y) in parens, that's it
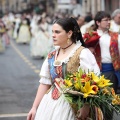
(68, 41)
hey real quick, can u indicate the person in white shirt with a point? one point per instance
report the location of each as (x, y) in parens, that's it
(106, 57)
(115, 22)
(107, 52)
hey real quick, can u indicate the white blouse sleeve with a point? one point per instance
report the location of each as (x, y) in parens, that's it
(88, 61)
(45, 74)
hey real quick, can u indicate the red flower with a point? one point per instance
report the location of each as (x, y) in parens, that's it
(83, 76)
(91, 38)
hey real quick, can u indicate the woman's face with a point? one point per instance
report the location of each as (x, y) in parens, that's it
(59, 35)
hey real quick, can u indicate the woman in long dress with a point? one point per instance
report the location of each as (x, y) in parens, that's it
(24, 34)
(71, 54)
(2, 41)
(4, 35)
(17, 22)
(40, 44)
(2, 47)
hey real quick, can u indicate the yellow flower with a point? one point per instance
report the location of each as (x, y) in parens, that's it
(104, 82)
(68, 83)
(106, 91)
(77, 86)
(116, 100)
(87, 89)
(95, 78)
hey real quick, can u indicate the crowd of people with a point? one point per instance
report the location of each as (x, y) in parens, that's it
(26, 29)
(33, 28)
(63, 35)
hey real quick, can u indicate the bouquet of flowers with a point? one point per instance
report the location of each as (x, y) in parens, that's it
(81, 87)
(91, 38)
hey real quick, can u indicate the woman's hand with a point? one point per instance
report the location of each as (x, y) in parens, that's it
(83, 113)
(42, 89)
(31, 114)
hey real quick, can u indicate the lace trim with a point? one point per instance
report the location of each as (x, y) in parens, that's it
(72, 53)
(78, 44)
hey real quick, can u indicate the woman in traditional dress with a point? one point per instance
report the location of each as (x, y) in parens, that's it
(2, 40)
(40, 44)
(2, 47)
(34, 30)
(71, 55)
(24, 34)
(4, 35)
(17, 22)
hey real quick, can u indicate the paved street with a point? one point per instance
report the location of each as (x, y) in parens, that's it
(19, 79)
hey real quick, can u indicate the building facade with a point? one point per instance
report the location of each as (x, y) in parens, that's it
(16, 5)
(75, 6)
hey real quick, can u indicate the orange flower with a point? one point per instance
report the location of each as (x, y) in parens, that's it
(112, 91)
(95, 89)
(86, 79)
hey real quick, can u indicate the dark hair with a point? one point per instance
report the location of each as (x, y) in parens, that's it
(88, 19)
(71, 24)
(100, 15)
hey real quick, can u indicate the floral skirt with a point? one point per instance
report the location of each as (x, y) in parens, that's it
(50, 109)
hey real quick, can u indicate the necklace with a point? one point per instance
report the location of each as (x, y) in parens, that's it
(58, 62)
(66, 48)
